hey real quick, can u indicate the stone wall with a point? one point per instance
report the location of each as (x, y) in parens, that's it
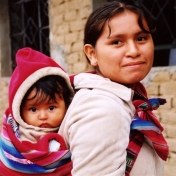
(67, 21)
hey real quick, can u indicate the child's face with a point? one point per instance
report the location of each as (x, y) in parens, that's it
(47, 114)
(126, 56)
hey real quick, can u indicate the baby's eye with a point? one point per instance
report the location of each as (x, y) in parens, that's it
(33, 109)
(51, 108)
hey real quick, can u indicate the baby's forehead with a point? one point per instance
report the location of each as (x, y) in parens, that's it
(40, 99)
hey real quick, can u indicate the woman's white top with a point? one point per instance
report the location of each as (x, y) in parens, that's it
(96, 128)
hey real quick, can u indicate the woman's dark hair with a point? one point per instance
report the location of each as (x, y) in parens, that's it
(105, 12)
(48, 87)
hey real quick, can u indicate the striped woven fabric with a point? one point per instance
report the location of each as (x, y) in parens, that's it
(145, 124)
(19, 157)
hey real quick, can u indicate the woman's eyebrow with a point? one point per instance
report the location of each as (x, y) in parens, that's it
(122, 35)
(142, 32)
(115, 36)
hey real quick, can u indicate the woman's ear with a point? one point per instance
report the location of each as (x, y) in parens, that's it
(90, 53)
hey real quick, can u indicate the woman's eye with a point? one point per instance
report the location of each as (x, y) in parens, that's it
(51, 108)
(116, 42)
(33, 109)
(141, 38)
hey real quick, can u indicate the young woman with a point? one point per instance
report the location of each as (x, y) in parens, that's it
(119, 46)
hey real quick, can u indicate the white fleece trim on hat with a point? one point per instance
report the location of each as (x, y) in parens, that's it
(29, 81)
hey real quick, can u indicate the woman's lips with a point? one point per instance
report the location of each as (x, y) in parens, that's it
(133, 64)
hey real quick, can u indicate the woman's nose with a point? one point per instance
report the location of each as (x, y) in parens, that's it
(132, 49)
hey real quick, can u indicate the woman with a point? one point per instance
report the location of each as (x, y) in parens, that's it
(96, 128)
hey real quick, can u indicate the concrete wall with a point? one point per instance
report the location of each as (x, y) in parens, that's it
(67, 20)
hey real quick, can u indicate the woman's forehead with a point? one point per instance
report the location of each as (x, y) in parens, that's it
(123, 21)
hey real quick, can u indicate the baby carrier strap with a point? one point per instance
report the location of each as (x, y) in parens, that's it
(145, 123)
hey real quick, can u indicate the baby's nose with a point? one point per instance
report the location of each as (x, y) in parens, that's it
(43, 115)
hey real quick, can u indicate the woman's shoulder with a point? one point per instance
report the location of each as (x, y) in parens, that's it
(98, 85)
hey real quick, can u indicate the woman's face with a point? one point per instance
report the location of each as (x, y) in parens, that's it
(126, 56)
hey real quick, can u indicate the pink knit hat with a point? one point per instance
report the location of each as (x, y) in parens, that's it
(31, 66)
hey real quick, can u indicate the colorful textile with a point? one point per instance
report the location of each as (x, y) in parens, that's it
(145, 124)
(19, 157)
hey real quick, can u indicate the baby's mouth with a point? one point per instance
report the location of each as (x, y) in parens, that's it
(45, 125)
